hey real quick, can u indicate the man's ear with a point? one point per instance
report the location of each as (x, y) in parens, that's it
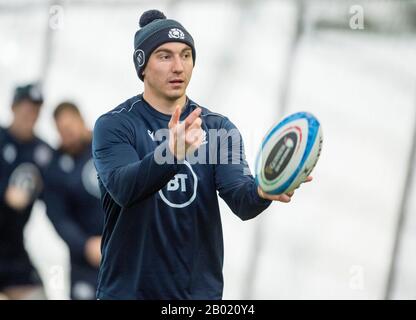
(14, 106)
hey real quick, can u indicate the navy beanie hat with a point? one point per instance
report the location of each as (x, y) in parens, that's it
(31, 92)
(154, 31)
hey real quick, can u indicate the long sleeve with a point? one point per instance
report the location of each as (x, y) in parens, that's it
(233, 178)
(3, 184)
(126, 177)
(59, 212)
(3, 177)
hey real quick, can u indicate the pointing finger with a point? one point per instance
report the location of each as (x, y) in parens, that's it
(175, 117)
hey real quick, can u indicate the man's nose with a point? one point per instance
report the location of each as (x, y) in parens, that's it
(177, 65)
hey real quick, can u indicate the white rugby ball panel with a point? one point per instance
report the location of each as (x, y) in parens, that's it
(310, 163)
(282, 154)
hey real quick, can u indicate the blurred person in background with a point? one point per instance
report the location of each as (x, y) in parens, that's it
(72, 199)
(23, 161)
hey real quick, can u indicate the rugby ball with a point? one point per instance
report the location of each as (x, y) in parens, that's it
(288, 154)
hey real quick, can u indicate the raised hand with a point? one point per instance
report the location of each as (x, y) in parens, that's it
(185, 137)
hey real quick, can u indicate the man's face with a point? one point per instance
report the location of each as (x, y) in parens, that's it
(71, 129)
(169, 70)
(25, 115)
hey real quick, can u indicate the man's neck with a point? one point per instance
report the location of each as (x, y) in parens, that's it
(79, 147)
(18, 134)
(163, 105)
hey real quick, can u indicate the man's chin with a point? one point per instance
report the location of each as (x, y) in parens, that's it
(175, 94)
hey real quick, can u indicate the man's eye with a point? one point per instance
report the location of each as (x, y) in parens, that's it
(164, 57)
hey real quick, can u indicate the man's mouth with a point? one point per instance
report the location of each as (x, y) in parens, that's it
(176, 81)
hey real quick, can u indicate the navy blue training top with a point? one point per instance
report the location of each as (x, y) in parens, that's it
(23, 165)
(162, 234)
(72, 198)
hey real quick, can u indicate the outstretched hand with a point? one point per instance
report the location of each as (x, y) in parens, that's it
(285, 197)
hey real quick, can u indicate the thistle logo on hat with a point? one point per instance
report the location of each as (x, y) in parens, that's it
(34, 93)
(155, 30)
(176, 33)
